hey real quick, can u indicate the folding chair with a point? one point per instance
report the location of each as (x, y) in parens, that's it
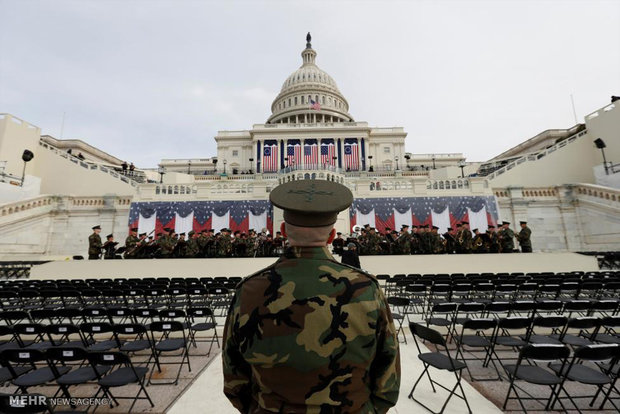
(585, 326)
(442, 314)
(589, 374)
(609, 333)
(83, 373)
(17, 359)
(202, 320)
(478, 340)
(133, 338)
(122, 373)
(556, 324)
(534, 374)
(437, 360)
(92, 332)
(166, 344)
(399, 307)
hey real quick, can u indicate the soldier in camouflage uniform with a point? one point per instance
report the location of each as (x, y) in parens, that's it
(436, 243)
(493, 240)
(506, 238)
(94, 244)
(192, 249)
(130, 244)
(404, 240)
(224, 244)
(166, 243)
(466, 238)
(524, 238)
(308, 334)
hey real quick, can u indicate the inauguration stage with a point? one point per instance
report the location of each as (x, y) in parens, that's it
(423, 264)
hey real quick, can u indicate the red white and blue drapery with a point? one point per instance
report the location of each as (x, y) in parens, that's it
(443, 212)
(184, 216)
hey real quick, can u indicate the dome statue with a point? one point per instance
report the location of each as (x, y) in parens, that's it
(309, 95)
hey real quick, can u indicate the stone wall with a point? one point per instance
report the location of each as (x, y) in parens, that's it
(58, 227)
(581, 217)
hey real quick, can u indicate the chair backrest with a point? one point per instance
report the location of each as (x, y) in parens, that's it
(514, 323)
(544, 352)
(585, 322)
(427, 334)
(550, 321)
(129, 329)
(108, 358)
(598, 352)
(398, 301)
(66, 354)
(96, 327)
(167, 326)
(481, 324)
(200, 312)
(23, 355)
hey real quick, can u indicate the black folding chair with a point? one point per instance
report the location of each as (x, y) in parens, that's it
(399, 307)
(83, 372)
(609, 332)
(589, 374)
(122, 373)
(534, 374)
(17, 359)
(438, 360)
(201, 319)
(161, 333)
(477, 337)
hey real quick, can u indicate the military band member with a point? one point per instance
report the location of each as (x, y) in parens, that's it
(109, 248)
(466, 238)
(94, 244)
(130, 244)
(494, 246)
(338, 244)
(450, 241)
(524, 238)
(308, 334)
(506, 238)
(224, 243)
(415, 240)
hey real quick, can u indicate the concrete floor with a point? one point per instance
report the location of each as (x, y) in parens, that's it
(206, 396)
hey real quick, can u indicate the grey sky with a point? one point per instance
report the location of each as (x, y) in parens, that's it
(146, 80)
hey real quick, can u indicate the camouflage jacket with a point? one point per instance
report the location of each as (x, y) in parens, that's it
(94, 244)
(524, 237)
(310, 335)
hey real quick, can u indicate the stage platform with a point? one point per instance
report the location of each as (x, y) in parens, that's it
(495, 263)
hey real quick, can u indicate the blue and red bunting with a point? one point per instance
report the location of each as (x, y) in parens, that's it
(203, 211)
(422, 208)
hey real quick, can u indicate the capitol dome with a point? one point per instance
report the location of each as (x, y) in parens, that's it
(309, 95)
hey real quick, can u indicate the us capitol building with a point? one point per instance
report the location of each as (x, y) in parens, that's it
(557, 180)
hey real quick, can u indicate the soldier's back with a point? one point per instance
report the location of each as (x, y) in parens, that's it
(307, 326)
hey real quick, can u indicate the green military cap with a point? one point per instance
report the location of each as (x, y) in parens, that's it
(523, 222)
(191, 233)
(435, 228)
(133, 229)
(311, 203)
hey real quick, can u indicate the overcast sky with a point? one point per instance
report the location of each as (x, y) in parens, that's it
(146, 80)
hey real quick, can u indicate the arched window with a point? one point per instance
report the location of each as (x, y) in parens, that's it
(302, 99)
(323, 99)
(466, 183)
(314, 176)
(435, 185)
(454, 184)
(306, 176)
(289, 101)
(460, 184)
(295, 100)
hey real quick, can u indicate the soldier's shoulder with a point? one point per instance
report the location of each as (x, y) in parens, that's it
(357, 270)
(261, 273)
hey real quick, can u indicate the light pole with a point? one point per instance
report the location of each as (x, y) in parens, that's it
(334, 158)
(462, 166)
(370, 162)
(396, 159)
(600, 144)
(251, 165)
(189, 167)
(161, 170)
(224, 167)
(433, 162)
(27, 156)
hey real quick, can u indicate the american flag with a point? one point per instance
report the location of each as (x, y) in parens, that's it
(293, 152)
(351, 157)
(328, 152)
(270, 158)
(315, 105)
(311, 154)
